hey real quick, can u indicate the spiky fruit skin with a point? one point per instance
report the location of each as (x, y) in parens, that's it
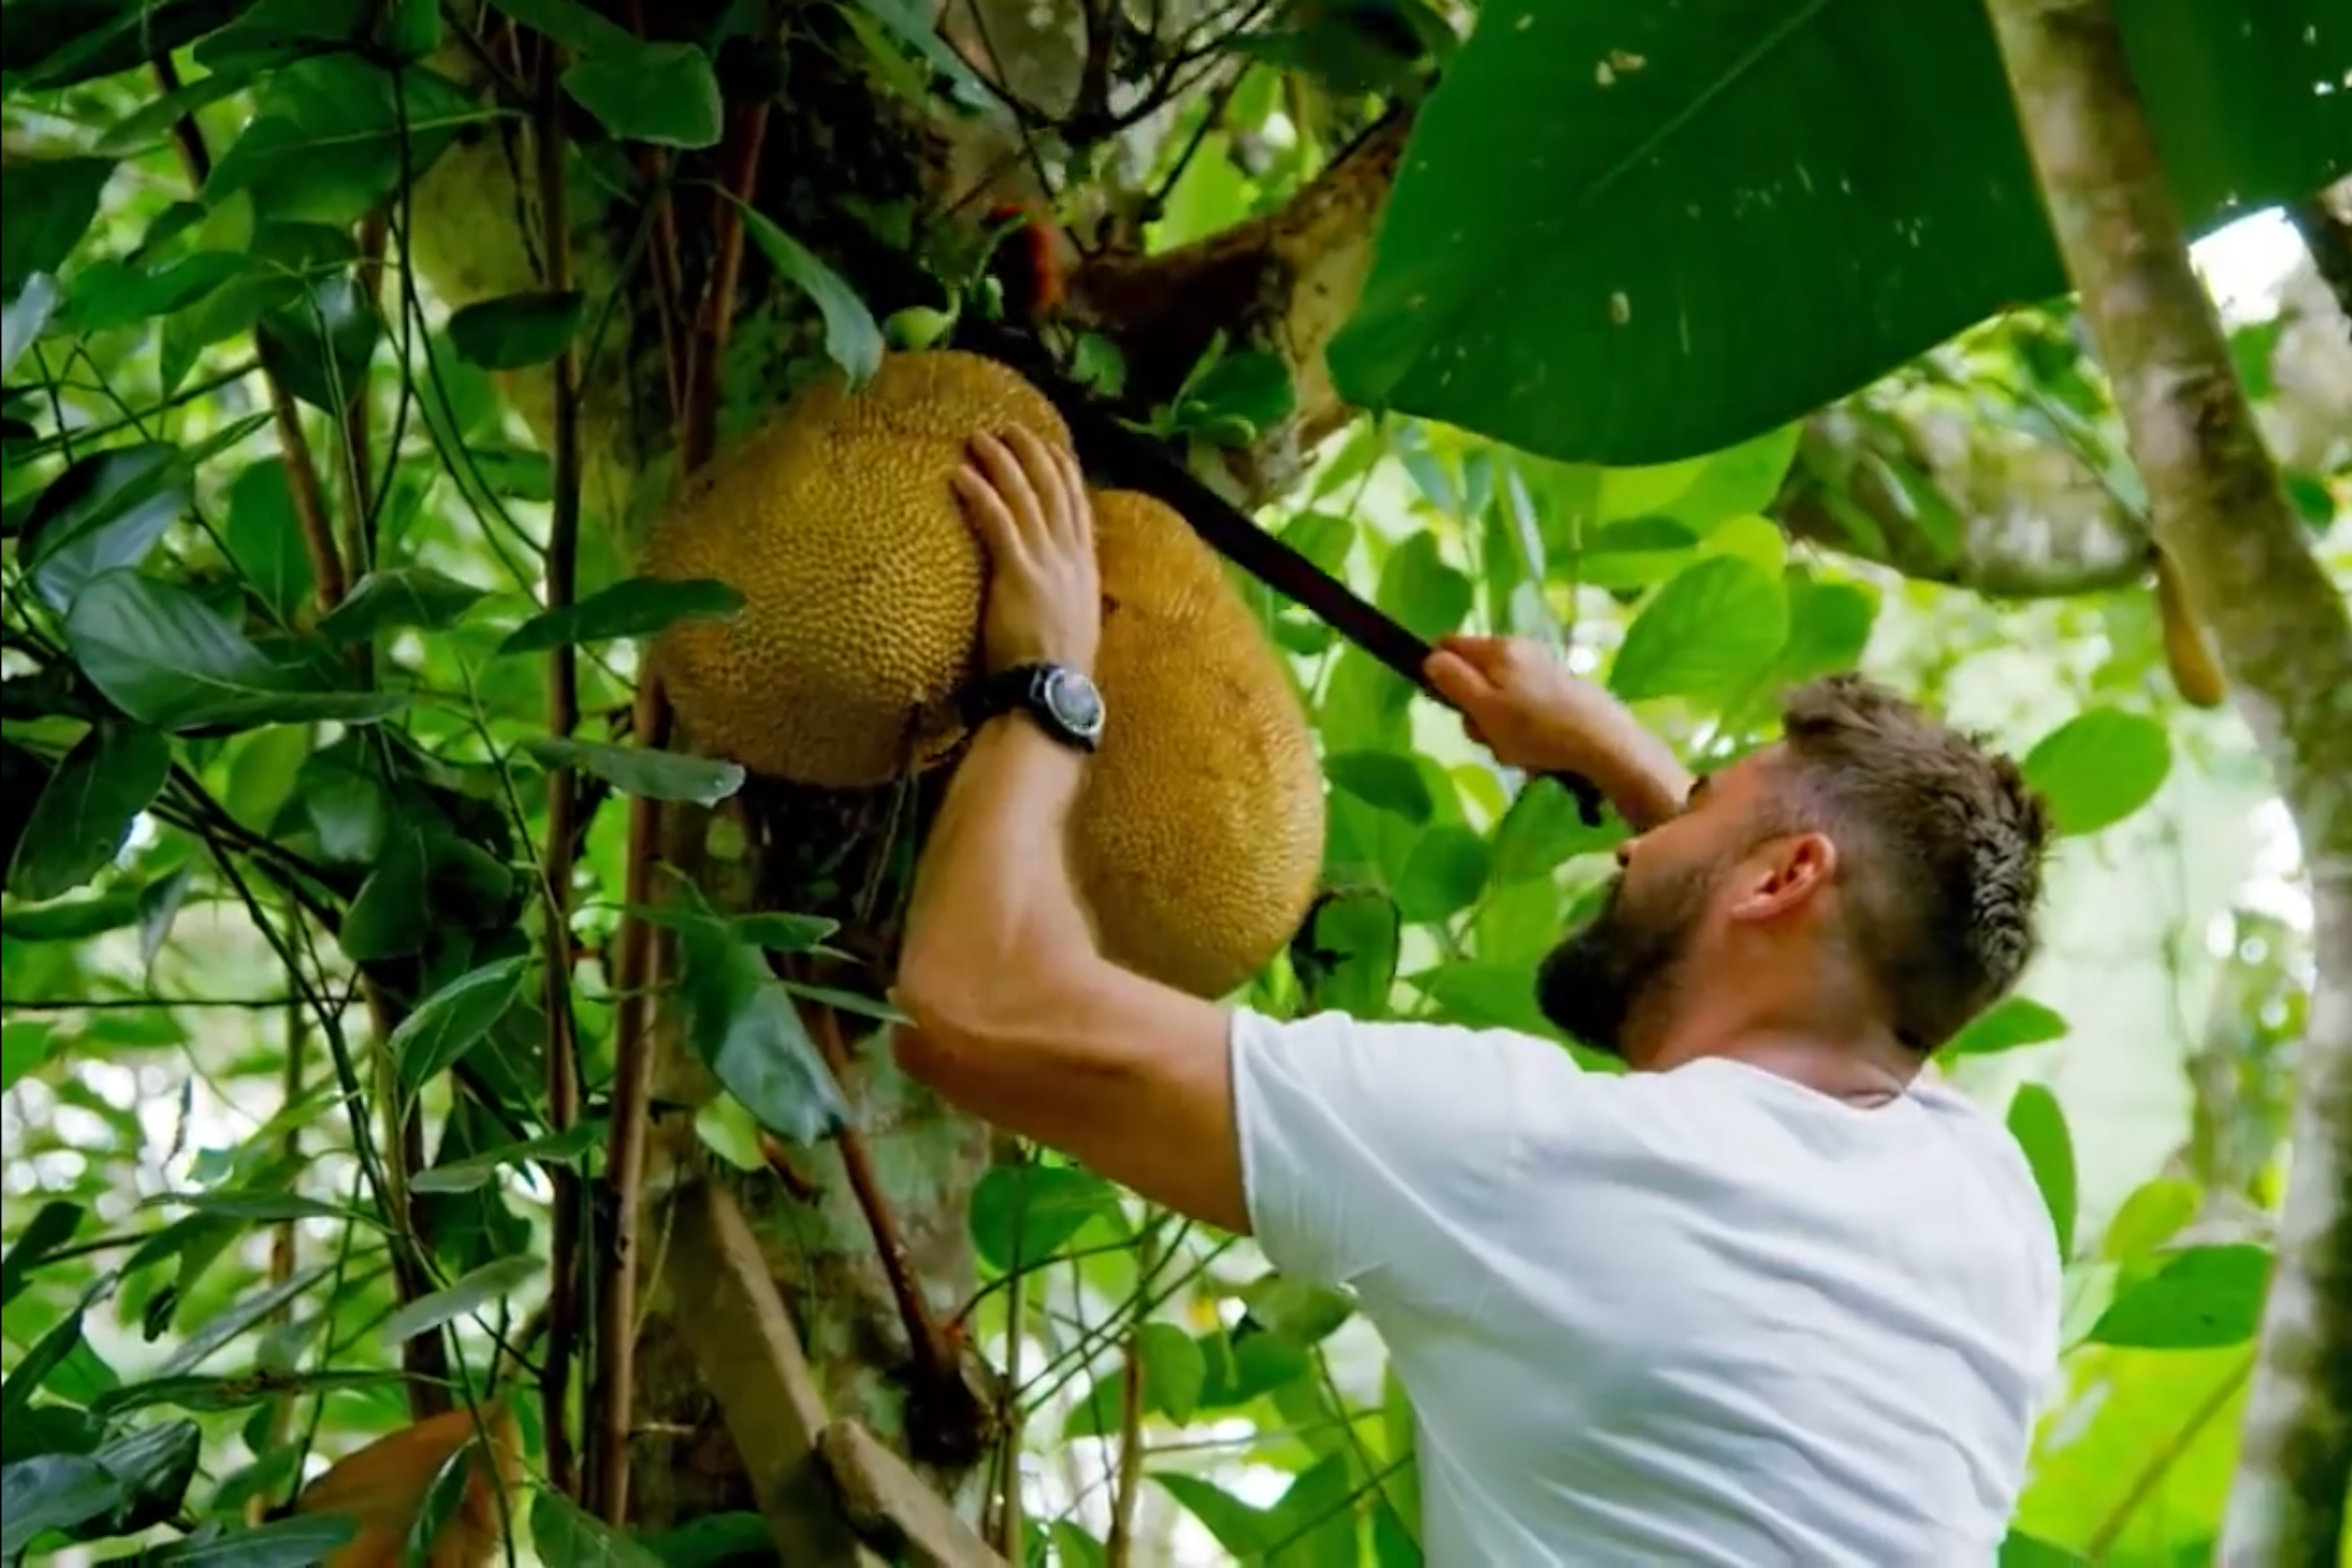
(1198, 839)
(838, 521)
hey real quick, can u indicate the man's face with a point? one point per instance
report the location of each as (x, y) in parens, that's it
(1631, 951)
(1639, 945)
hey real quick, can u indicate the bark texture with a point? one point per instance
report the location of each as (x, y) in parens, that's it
(2285, 643)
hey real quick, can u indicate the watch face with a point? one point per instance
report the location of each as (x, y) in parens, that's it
(1075, 701)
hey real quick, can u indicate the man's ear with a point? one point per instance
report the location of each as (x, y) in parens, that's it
(1783, 875)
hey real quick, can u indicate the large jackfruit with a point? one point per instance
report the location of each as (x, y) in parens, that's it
(1198, 836)
(838, 522)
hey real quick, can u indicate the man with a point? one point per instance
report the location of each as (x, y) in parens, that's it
(1769, 1298)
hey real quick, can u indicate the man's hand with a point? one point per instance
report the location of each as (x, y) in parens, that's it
(1525, 706)
(1028, 503)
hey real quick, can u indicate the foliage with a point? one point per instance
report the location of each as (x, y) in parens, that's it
(276, 989)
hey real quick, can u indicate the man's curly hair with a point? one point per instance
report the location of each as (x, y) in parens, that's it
(1942, 844)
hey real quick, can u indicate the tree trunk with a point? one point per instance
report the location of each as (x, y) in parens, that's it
(2218, 511)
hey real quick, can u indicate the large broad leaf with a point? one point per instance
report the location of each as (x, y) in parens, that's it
(1627, 234)
(85, 813)
(50, 202)
(2099, 767)
(2204, 1297)
(744, 1025)
(166, 658)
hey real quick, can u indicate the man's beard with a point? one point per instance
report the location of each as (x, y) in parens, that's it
(1629, 955)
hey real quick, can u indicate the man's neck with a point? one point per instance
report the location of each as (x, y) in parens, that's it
(1861, 1071)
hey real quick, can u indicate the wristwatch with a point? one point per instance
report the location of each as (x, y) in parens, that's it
(1062, 701)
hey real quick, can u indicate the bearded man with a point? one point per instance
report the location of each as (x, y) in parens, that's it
(1770, 1297)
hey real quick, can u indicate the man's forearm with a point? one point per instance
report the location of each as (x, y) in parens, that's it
(1641, 777)
(994, 908)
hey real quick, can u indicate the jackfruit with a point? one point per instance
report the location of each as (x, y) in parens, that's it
(1197, 841)
(838, 521)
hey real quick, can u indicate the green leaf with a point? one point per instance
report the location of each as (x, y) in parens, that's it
(663, 93)
(1442, 876)
(2099, 767)
(65, 43)
(1423, 590)
(236, 1393)
(1346, 957)
(2205, 1296)
(2039, 1124)
(1239, 1528)
(318, 343)
(25, 1044)
(322, 146)
(1251, 389)
(1543, 830)
(153, 1467)
(743, 1024)
(634, 769)
(84, 817)
(1601, 208)
(2012, 1022)
(714, 1540)
(53, 1491)
(779, 931)
(567, 1148)
(261, 1208)
(106, 511)
(572, 25)
(52, 1226)
(453, 1019)
(109, 294)
(299, 1542)
(2019, 1550)
(1174, 1371)
(853, 339)
(1477, 994)
(1023, 1214)
(517, 330)
(165, 657)
(492, 1282)
(562, 1533)
(1383, 779)
(26, 317)
(633, 607)
(400, 597)
(50, 203)
(1712, 625)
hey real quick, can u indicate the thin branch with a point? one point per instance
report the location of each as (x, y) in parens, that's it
(624, 1163)
(707, 354)
(927, 1341)
(2221, 513)
(301, 472)
(562, 718)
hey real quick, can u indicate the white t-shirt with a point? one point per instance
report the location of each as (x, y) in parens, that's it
(1698, 1317)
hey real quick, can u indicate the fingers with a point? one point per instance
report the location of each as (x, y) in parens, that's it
(1008, 477)
(1034, 495)
(991, 519)
(1458, 680)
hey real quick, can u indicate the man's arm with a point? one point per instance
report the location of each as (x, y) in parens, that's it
(1018, 1017)
(1020, 1020)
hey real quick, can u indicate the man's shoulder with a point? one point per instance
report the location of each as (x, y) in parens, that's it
(1451, 1046)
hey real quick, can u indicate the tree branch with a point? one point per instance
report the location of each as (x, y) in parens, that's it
(2219, 511)
(563, 802)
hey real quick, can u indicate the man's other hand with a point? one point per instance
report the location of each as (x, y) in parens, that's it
(1525, 707)
(1028, 503)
